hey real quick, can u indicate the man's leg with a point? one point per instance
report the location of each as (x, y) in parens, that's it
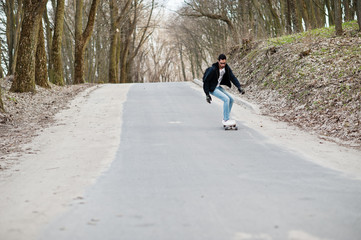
(226, 102)
(231, 100)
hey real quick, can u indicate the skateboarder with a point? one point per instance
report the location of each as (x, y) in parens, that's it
(215, 76)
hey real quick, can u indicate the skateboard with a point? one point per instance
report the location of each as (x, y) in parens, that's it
(230, 127)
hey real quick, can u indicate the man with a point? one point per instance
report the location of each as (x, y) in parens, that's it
(221, 74)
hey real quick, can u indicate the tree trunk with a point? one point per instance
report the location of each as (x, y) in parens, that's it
(100, 63)
(295, 15)
(68, 52)
(41, 71)
(113, 76)
(182, 62)
(245, 18)
(287, 14)
(119, 54)
(12, 31)
(358, 11)
(353, 11)
(49, 41)
(2, 109)
(331, 19)
(115, 21)
(91, 61)
(1, 68)
(338, 17)
(56, 57)
(79, 62)
(321, 13)
(129, 34)
(123, 64)
(24, 78)
(260, 18)
(346, 5)
(113, 67)
(312, 22)
(79, 44)
(276, 19)
(82, 38)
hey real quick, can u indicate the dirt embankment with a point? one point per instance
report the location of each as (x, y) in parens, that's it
(312, 80)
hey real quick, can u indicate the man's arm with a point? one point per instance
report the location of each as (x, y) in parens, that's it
(207, 80)
(235, 81)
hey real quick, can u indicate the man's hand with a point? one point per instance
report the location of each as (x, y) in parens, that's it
(209, 99)
(241, 91)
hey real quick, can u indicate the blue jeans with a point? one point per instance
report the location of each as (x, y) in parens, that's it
(227, 99)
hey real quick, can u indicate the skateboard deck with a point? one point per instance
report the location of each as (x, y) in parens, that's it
(230, 127)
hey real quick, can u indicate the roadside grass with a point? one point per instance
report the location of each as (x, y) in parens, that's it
(325, 32)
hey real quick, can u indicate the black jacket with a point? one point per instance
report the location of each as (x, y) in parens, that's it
(211, 80)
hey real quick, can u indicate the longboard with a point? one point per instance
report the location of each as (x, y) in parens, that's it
(230, 127)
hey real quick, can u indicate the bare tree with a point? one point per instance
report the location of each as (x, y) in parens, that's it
(24, 79)
(82, 37)
(56, 63)
(243, 6)
(134, 34)
(347, 6)
(13, 11)
(338, 17)
(116, 20)
(358, 11)
(68, 42)
(2, 109)
(197, 43)
(311, 10)
(41, 72)
(99, 68)
(275, 19)
(1, 56)
(330, 9)
(208, 9)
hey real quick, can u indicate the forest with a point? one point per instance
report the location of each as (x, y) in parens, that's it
(66, 42)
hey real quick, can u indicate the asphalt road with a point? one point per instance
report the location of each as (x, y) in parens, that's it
(179, 175)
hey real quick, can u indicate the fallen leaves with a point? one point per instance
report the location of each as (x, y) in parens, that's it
(26, 113)
(319, 92)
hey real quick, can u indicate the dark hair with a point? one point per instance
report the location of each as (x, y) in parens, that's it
(222, 57)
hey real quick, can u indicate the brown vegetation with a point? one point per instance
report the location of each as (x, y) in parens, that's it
(319, 92)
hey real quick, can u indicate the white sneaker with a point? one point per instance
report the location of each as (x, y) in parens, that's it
(228, 122)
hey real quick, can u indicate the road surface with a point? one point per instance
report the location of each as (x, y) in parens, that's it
(178, 175)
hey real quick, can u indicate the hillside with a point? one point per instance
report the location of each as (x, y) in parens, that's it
(311, 79)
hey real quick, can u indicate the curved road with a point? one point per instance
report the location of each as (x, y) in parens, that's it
(179, 176)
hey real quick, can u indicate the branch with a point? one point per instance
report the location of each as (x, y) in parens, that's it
(122, 13)
(322, 9)
(144, 37)
(91, 20)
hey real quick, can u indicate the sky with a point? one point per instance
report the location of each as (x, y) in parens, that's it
(173, 4)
